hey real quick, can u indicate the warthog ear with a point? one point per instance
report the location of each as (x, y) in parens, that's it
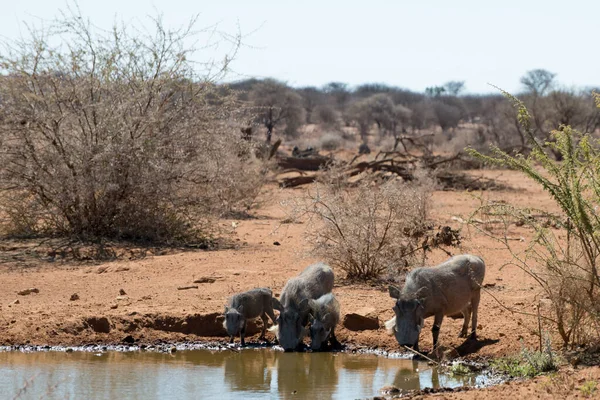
(421, 295)
(276, 304)
(241, 308)
(226, 309)
(303, 306)
(394, 292)
(328, 319)
(311, 319)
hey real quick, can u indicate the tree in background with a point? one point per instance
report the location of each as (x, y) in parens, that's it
(275, 104)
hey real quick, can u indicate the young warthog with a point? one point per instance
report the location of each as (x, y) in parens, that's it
(248, 305)
(451, 288)
(312, 283)
(324, 316)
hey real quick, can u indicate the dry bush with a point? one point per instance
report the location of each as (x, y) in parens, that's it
(330, 141)
(116, 135)
(367, 229)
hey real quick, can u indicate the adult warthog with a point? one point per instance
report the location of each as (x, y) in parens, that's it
(450, 288)
(312, 283)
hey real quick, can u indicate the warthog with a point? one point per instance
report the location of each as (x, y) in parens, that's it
(450, 288)
(248, 305)
(312, 283)
(324, 316)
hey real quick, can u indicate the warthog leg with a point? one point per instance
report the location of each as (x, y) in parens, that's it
(435, 330)
(264, 327)
(475, 305)
(467, 316)
(335, 344)
(242, 334)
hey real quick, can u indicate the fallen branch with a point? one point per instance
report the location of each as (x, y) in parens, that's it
(187, 287)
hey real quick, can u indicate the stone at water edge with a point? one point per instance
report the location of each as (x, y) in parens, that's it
(361, 320)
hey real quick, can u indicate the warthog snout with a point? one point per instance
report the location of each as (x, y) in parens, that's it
(409, 319)
(291, 327)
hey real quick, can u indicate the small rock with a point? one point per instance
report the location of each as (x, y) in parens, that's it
(128, 339)
(363, 319)
(122, 292)
(121, 298)
(173, 349)
(501, 334)
(489, 285)
(519, 303)
(122, 269)
(276, 244)
(205, 279)
(114, 306)
(74, 297)
(101, 269)
(389, 390)
(16, 302)
(28, 291)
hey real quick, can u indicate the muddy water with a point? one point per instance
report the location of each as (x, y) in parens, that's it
(248, 374)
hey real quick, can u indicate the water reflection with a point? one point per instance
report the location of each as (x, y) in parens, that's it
(251, 373)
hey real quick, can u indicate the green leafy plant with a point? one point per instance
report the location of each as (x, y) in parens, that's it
(563, 256)
(589, 388)
(459, 369)
(528, 363)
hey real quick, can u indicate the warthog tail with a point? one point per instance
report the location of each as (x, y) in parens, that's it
(390, 326)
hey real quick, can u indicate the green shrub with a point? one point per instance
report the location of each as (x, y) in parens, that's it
(528, 363)
(563, 256)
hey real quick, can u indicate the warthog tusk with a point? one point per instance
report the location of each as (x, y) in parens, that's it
(390, 326)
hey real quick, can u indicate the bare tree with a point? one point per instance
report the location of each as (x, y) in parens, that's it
(276, 103)
(454, 88)
(340, 93)
(311, 98)
(538, 81)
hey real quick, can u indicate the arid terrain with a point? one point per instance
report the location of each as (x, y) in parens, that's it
(267, 252)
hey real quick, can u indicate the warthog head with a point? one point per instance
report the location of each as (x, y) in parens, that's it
(234, 320)
(409, 317)
(318, 333)
(291, 324)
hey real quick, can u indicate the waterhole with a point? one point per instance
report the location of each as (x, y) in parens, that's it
(205, 374)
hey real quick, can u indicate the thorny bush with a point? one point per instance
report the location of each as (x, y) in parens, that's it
(375, 226)
(564, 254)
(117, 135)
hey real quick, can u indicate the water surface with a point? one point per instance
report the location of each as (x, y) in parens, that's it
(247, 374)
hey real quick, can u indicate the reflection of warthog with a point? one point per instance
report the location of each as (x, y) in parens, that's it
(312, 283)
(408, 378)
(302, 375)
(249, 370)
(324, 316)
(450, 288)
(248, 305)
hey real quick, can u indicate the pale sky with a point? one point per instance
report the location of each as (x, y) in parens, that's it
(411, 44)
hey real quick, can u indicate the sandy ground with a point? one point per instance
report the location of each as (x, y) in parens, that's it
(153, 308)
